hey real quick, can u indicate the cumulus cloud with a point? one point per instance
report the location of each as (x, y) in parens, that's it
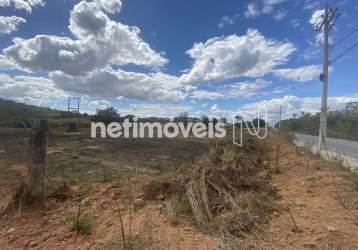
(317, 17)
(244, 89)
(250, 55)
(26, 5)
(9, 24)
(206, 95)
(295, 105)
(156, 110)
(316, 21)
(301, 74)
(7, 64)
(109, 83)
(247, 89)
(251, 11)
(110, 6)
(100, 42)
(34, 90)
(99, 104)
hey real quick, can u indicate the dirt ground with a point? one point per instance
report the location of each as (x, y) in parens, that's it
(318, 201)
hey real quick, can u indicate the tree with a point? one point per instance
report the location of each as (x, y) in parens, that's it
(223, 120)
(183, 117)
(205, 120)
(258, 123)
(106, 116)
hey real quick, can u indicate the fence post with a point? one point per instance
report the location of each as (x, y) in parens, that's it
(38, 157)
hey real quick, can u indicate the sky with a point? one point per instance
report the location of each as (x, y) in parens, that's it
(163, 58)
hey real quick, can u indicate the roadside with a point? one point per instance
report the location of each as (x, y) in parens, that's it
(342, 151)
(319, 197)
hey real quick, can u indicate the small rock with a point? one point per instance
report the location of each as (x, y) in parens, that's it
(265, 163)
(276, 214)
(139, 202)
(309, 244)
(32, 244)
(331, 229)
(11, 230)
(161, 197)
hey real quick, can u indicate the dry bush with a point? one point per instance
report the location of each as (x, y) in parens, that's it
(331, 243)
(61, 193)
(163, 188)
(177, 207)
(229, 196)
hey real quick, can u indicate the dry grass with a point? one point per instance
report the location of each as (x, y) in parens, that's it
(228, 196)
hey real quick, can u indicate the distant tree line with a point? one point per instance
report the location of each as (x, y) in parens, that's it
(341, 124)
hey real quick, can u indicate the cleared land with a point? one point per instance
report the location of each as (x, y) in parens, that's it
(253, 203)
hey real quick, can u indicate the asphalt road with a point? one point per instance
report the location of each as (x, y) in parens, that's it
(349, 148)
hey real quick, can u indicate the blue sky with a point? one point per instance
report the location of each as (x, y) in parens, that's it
(161, 58)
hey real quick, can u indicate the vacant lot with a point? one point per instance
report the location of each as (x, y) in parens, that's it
(139, 189)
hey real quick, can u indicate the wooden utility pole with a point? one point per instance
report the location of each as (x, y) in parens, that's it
(322, 142)
(38, 157)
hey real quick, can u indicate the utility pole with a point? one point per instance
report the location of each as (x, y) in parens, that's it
(280, 117)
(322, 142)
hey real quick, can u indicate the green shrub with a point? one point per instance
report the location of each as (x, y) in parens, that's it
(81, 225)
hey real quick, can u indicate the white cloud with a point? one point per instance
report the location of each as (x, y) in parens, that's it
(26, 5)
(295, 105)
(273, 2)
(247, 89)
(7, 64)
(109, 83)
(317, 17)
(280, 15)
(251, 11)
(250, 55)
(9, 24)
(268, 6)
(215, 109)
(311, 4)
(99, 104)
(227, 20)
(316, 21)
(110, 6)
(244, 89)
(206, 95)
(295, 23)
(34, 90)
(100, 42)
(301, 74)
(156, 110)
(267, 9)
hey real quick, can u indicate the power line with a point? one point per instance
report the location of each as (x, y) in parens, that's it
(345, 52)
(344, 38)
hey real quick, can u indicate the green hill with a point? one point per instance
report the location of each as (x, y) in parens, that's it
(14, 114)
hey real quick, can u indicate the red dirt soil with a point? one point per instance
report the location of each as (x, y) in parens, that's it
(317, 197)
